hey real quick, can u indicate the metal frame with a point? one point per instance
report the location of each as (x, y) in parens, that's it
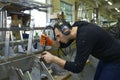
(20, 66)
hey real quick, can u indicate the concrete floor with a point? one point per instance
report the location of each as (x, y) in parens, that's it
(88, 71)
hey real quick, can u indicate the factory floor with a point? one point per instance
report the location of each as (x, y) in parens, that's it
(87, 73)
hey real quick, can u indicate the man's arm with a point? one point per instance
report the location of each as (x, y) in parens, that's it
(49, 58)
(59, 61)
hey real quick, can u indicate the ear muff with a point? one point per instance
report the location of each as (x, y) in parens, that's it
(65, 27)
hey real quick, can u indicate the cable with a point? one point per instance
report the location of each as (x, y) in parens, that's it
(50, 27)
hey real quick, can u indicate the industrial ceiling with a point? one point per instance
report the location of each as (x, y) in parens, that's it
(113, 7)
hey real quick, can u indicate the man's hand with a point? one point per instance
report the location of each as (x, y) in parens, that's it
(45, 40)
(47, 57)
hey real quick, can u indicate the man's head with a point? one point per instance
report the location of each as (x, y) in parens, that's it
(62, 30)
(63, 26)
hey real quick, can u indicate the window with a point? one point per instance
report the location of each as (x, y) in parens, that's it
(42, 1)
(67, 9)
(38, 18)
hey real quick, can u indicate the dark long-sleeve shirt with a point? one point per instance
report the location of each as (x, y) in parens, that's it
(92, 39)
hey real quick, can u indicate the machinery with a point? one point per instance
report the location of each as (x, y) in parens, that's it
(18, 50)
(18, 60)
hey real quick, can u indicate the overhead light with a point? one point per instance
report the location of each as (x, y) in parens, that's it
(110, 3)
(117, 10)
(106, 0)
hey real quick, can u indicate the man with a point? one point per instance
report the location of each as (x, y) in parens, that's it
(90, 39)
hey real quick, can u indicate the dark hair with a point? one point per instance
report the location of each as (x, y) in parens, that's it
(63, 26)
(58, 25)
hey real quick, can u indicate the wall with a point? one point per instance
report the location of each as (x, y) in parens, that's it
(56, 6)
(90, 5)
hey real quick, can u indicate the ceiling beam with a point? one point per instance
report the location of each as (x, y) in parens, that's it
(116, 13)
(117, 5)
